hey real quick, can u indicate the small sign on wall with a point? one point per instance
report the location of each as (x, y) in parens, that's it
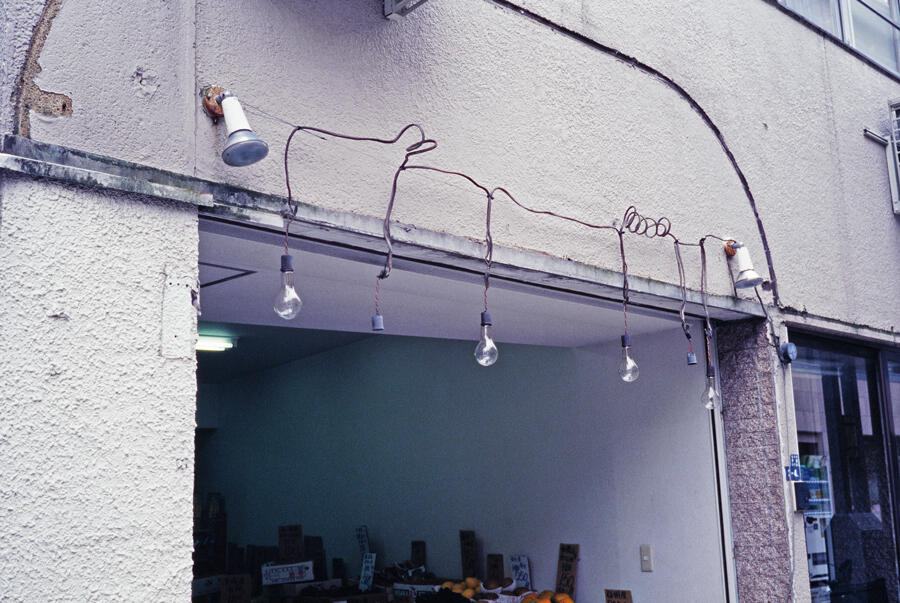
(417, 553)
(468, 550)
(290, 543)
(618, 596)
(362, 537)
(495, 568)
(566, 568)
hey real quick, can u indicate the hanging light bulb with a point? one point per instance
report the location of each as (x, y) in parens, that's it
(628, 368)
(711, 399)
(486, 351)
(287, 302)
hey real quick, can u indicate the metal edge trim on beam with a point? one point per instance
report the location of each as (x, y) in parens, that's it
(93, 178)
(353, 230)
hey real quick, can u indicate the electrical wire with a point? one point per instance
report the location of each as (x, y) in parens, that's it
(682, 283)
(424, 145)
(632, 222)
(707, 327)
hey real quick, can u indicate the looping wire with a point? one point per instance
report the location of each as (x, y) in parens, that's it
(640, 225)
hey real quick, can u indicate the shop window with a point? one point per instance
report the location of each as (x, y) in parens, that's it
(870, 26)
(845, 493)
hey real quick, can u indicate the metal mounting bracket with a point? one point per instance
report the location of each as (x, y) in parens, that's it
(397, 9)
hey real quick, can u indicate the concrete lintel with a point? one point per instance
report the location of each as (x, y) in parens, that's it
(353, 230)
(431, 247)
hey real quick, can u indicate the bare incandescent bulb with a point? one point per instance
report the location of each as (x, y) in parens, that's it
(486, 351)
(710, 398)
(628, 368)
(287, 303)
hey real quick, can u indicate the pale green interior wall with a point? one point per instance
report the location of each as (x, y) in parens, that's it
(412, 438)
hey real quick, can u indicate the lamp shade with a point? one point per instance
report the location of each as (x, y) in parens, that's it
(747, 277)
(243, 147)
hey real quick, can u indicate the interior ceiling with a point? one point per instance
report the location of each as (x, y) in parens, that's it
(239, 267)
(262, 347)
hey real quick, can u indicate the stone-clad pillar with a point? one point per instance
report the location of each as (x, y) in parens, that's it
(755, 474)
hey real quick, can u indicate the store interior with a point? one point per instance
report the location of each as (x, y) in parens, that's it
(321, 422)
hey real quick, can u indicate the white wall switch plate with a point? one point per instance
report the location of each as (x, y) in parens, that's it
(646, 558)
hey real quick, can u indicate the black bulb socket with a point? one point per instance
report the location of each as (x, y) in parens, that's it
(486, 319)
(287, 263)
(626, 340)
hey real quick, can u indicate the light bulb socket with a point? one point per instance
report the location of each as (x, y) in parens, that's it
(710, 371)
(287, 263)
(626, 340)
(691, 359)
(378, 322)
(486, 319)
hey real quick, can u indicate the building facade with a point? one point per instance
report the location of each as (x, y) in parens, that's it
(742, 120)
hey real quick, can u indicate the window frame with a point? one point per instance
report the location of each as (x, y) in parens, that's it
(844, 17)
(880, 356)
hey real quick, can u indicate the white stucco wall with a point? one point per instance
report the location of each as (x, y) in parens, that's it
(513, 103)
(96, 435)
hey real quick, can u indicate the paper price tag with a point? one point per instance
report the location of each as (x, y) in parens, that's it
(521, 570)
(367, 574)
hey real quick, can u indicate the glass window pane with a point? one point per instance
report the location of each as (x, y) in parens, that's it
(846, 501)
(823, 13)
(872, 35)
(894, 384)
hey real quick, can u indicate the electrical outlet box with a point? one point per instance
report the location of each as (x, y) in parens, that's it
(646, 558)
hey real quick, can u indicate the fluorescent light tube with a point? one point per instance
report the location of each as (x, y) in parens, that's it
(214, 343)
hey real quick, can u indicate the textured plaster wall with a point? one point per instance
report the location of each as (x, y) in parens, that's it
(17, 20)
(546, 447)
(513, 103)
(756, 484)
(96, 434)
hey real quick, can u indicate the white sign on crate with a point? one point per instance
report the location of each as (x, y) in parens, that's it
(285, 574)
(368, 572)
(521, 571)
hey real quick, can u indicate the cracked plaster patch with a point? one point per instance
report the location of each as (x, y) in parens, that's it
(28, 96)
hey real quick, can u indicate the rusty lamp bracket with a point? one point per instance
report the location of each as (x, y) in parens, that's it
(212, 108)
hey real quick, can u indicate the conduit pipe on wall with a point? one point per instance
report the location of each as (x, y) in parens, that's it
(637, 64)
